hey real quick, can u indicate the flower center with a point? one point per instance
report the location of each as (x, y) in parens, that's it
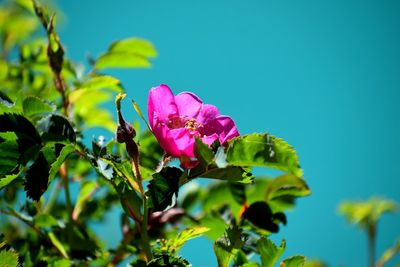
(176, 122)
(192, 125)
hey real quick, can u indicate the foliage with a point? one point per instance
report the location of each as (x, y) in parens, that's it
(55, 183)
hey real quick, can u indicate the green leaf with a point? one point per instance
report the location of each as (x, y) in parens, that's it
(55, 166)
(22, 127)
(163, 187)
(389, 254)
(263, 150)
(227, 246)
(174, 244)
(45, 220)
(230, 173)
(9, 157)
(368, 212)
(61, 263)
(87, 190)
(4, 99)
(102, 82)
(287, 185)
(121, 60)
(203, 152)
(294, 261)
(134, 45)
(269, 252)
(166, 260)
(130, 201)
(8, 258)
(150, 151)
(57, 128)
(33, 105)
(54, 240)
(260, 214)
(37, 178)
(7, 180)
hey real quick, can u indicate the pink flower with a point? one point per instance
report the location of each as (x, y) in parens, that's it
(176, 120)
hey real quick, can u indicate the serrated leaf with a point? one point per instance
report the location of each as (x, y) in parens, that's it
(9, 157)
(134, 45)
(37, 177)
(174, 244)
(8, 258)
(269, 252)
(294, 261)
(4, 181)
(22, 127)
(165, 260)
(45, 220)
(54, 240)
(227, 246)
(33, 105)
(263, 150)
(55, 166)
(229, 173)
(163, 187)
(57, 128)
(121, 60)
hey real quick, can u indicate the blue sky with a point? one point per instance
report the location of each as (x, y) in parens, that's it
(323, 75)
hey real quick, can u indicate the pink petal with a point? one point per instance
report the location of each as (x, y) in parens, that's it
(229, 128)
(184, 141)
(161, 105)
(209, 140)
(163, 136)
(188, 104)
(207, 113)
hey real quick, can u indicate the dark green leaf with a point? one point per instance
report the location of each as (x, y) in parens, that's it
(269, 252)
(130, 201)
(57, 128)
(238, 192)
(294, 261)
(45, 220)
(33, 105)
(226, 247)
(5, 100)
(166, 260)
(260, 214)
(9, 157)
(230, 173)
(163, 187)
(37, 177)
(263, 150)
(150, 151)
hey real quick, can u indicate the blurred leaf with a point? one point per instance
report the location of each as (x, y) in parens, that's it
(287, 184)
(229, 173)
(55, 166)
(191, 196)
(314, 263)
(163, 187)
(37, 178)
(150, 151)
(60, 263)
(260, 214)
(389, 254)
(174, 244)
(294, 261)
(263, 150)
(121, 60)
(238, 192)
(269, 252)
(130, 201)
(250, 264)
(4, 181)
(45, 220)
(4, 99)
(134, 45)
(85, 193)
(33, 105)
(56, 128)
(58, 244)
(367, 212)
(8, 258)
(101, 82)
(127, 53)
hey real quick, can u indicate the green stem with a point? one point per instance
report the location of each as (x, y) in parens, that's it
(371, 243)
(145, 237)
(64, 177)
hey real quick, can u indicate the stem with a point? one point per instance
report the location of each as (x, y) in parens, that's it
(53, 197)
(64, 177)
(371, 243)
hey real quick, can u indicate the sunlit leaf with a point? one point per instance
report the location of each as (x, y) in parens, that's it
(55, 166)
(86, 191)
(227, 246)
(269, 252)
(33, 105)
(174, 244)
(263, 150)
(8, 258)
(294, 261)
(121, 60)
(58, 244)
(167, 260)
(134, 45)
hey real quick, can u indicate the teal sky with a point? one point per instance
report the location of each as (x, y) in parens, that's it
(323, 75)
